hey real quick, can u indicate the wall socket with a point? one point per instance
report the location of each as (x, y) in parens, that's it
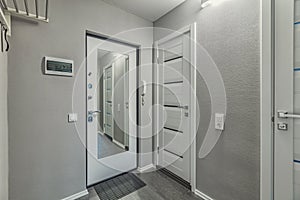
(72, 117)
(219, 121)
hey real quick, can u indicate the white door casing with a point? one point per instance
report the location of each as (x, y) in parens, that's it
(126, 106)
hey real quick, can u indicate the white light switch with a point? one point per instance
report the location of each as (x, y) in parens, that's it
(72, 117)
(219, 121)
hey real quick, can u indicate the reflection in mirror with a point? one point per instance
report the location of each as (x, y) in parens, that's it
(112, 99)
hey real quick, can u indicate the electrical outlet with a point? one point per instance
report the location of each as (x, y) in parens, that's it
(72, 117)
(219, 121)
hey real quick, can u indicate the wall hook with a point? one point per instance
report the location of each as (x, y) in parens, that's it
(7, 43)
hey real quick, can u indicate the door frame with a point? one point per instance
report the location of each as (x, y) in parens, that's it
(193, 122)
(108, 38)
(267, 52)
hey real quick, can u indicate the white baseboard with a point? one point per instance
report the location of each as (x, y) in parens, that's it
(77, 195)
(202, 195)
(101, 133)
(145, 168)
(119, 144)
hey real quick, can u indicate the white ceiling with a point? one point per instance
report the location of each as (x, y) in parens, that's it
(147, 9)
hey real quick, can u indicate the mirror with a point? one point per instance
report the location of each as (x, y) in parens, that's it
(112, 97)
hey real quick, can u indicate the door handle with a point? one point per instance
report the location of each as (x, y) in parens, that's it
(184, 107)
(186, 112)
(95, 112)
(285, 114)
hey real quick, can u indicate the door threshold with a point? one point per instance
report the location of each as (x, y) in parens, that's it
(175, 177)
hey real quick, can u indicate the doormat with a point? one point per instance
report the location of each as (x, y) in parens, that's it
(119, 187)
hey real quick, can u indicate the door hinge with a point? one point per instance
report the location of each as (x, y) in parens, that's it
(273, 124)
(157, 149)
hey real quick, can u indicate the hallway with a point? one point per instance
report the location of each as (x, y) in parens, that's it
(96, 95)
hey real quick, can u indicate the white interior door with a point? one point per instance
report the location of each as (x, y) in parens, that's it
(287, 101)
(174, 96)
(99, 169)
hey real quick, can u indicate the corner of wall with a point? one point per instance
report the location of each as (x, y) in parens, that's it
(3, 128)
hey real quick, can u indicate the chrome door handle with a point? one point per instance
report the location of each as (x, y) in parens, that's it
(186, 112)
(285, 114)
(95, 112)
(184, 107)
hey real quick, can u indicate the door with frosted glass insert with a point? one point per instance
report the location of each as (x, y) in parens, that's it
(174, 94)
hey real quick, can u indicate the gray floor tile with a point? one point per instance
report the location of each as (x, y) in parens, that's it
(166, 187)
(106, 147)
(143, 194)
(159, 187)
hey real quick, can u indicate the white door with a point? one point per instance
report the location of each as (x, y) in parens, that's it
(174, 97)
(125, 158)
(287, 100)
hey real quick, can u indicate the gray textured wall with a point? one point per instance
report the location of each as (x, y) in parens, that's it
(3, 128)
(229, 31)
(46, 154)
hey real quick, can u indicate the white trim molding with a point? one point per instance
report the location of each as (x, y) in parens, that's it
(146, 168)
(266, 65)
(119, 144)
(77, 195)
(193, 35)
(202, 195)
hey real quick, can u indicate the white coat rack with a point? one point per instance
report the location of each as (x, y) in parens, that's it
(3, 19)
(4, 31)
(27, 11)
